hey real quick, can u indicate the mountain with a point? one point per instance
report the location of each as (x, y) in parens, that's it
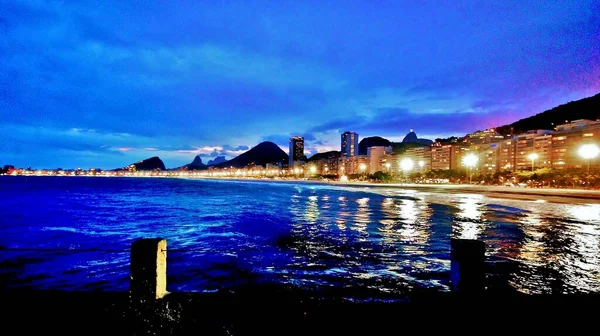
(153, 163)
(587, 108)
(196, 164)
(217, 160)
(370, 142)
(412, 138)
(325, 155)
(261, 154)
(197, 161)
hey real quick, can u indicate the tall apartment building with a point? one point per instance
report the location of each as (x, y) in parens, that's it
(542, 146)
(420, 154)
(296, 150)
(487, 153)
(526, 145)
(351, 165)
(349, 146)
(568, 137)
(389, 162)
(445, 157)
(374, 154)
(506, 155)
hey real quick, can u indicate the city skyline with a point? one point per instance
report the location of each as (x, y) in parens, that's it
(109, 84)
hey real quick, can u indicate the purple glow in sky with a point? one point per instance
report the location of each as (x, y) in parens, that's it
(102, 84)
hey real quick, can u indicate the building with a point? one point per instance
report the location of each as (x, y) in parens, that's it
(484, 137)
(349, 145)
(567, 138)
(374, 154)
(542, 146)
(526, 146)
(328, 165)
(352, 165)
(506, 155)
(421, 155)
(487, 154)
(389, 163)
(296, 152)
(444, 157)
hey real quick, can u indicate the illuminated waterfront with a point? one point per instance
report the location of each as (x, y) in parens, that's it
(313, 236)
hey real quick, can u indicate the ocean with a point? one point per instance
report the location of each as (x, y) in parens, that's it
(74, 234)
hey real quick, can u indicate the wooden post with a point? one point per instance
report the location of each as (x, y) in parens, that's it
(148, 269)
(467, 270)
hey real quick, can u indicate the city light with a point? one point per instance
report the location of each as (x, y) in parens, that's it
(387, 166)
(470, 160)
(406, 164)
(533, 157)
(588, 152)
(363, 167)
(313, 169)
(421, 164)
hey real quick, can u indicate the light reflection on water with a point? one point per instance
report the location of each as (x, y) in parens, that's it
(387, 240)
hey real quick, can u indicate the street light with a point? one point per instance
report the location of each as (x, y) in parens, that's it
(387, 166)
(406, 165)
(362, 168)
(533, 157)
(470, 160)
(588, 152)
(421, 164)
(313, 170)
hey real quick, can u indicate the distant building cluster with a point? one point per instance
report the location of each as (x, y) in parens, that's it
(570, 145)
(491, 152)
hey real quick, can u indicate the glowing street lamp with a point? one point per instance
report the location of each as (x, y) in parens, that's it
(387, 166)
(313, 169)
(588, 152)
(406, 165)
(533, 157)
(362, 167)
(421, 164)
(470, 160)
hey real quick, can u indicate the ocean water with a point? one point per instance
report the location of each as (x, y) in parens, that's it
(74, 233)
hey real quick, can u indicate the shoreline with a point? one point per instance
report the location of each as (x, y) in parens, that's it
(519, 193)
(554, 195)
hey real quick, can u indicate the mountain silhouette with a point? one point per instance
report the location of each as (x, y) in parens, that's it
(261, 154)
(586, 108)
(325, 155)
(215, 161)
(371, 142)
(196, 164)
(153, 163)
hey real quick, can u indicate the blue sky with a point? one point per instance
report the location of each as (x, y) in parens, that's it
(105, 83)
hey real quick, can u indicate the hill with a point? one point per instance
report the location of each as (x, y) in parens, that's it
(261, 154)
(153, 163)
(370, 142)
(325, 155)
(217, 160)
(196, 164)
(587, 108)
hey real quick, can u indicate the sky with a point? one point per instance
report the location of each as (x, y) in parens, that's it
(105, 83)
